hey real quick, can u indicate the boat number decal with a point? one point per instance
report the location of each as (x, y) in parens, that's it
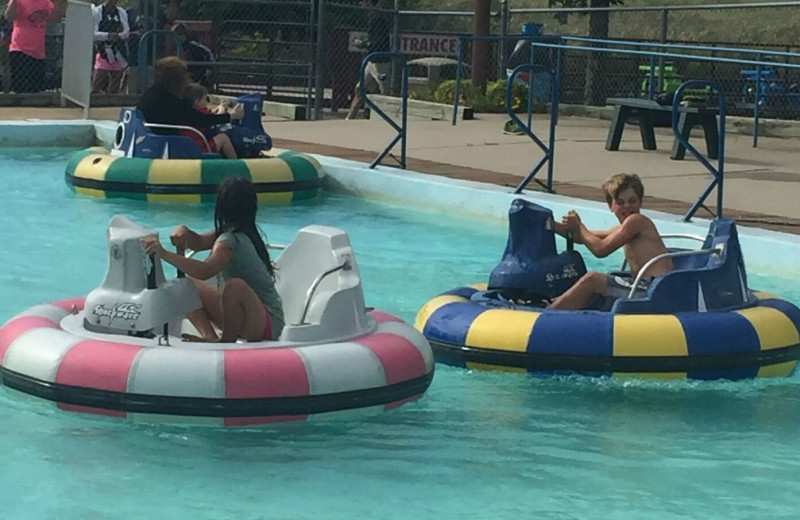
(567, 273)
(257, 139)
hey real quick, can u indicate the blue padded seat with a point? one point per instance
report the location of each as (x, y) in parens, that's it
(699, 283)
(137, 140)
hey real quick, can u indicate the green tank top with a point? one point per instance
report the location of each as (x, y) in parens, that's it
(247, 265)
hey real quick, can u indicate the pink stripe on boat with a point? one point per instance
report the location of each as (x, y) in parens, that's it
(234, 422)
(102, 365)
(383, 317)
(266, 372)
(71, 302)
(400, 358)
(15, 328)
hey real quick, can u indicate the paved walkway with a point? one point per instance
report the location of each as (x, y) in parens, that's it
(762, 185)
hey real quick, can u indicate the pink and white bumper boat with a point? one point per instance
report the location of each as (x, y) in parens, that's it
(119, 352)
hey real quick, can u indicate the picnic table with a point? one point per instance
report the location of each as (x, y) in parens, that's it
(648, 114)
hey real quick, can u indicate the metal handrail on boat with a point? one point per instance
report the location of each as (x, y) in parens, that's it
(346, 266)
(671, 235)
(180, 127)
(649, 264)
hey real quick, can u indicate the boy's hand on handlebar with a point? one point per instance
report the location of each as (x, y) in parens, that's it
(572, 223)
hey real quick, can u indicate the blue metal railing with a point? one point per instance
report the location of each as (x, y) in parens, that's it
(143, 49)
(402, 127)
(460, 58)
(713, 59)
(549, 149)
(719, 171)
(760, 54)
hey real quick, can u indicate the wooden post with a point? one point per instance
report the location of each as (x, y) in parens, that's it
(480, 48)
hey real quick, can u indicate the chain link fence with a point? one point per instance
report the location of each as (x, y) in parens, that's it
(306, 52)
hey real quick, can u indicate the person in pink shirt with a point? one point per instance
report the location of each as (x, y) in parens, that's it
(27, 54)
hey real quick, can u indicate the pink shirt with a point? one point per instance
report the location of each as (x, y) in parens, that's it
(30, 26)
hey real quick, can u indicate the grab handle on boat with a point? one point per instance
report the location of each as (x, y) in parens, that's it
(181, 251)
(689, 236)
(151, 273)
(570, 241)
(346, 266)
(652, 261)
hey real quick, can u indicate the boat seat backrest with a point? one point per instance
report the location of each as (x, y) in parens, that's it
(699, 283)
(337, 305)
(134, 139)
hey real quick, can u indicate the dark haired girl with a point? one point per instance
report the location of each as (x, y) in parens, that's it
(245, 303)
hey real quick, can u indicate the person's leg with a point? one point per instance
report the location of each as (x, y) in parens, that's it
(356, 104)
(23, 72)
(210, 313)
(115, 81)
(225, 146)
(242, 312)
(590, 285)
(99, 80)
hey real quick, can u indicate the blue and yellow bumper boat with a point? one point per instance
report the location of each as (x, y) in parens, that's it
(699, 321)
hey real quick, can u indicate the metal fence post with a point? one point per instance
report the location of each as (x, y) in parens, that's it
(395, 45)
(505, 14)
(662, 39)
(319, 65)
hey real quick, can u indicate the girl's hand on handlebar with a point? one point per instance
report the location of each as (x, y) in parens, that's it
(151, 245)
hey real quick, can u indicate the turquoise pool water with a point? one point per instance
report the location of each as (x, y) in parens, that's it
(478, 445)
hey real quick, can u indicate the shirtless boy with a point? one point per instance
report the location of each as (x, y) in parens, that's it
(635, 233)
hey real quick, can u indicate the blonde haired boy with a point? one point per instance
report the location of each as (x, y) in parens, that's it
(636, 234)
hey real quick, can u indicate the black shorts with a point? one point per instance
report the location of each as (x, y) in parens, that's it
(620, 287)
(27, 72)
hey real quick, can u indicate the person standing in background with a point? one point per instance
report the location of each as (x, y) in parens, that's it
(379, 39)
(27, 49)
(111, 29)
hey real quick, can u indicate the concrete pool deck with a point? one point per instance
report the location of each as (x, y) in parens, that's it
(762, 185)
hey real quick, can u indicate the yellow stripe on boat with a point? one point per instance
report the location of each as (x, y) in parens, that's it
(649, 335)
(778, 369)
(774, 328)
(432, 306)
(94, 166)
(502, 329)
(175, 171)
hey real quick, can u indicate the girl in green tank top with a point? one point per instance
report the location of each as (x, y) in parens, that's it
(244, 303)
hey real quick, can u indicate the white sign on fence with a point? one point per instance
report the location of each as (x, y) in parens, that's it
(415, 43)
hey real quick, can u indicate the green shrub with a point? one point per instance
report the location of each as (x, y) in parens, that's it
(446, 92)
(494, 101)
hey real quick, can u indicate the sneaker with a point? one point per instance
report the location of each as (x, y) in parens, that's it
(512, 128)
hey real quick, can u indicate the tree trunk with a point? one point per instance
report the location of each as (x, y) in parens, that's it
(480, 48)
(595, 92)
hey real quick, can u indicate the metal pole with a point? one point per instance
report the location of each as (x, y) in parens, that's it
(480, 48)
(756, 99)
(319, 68)
(662, 39)
(395, 44)
(501, 57)
(459, 72)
